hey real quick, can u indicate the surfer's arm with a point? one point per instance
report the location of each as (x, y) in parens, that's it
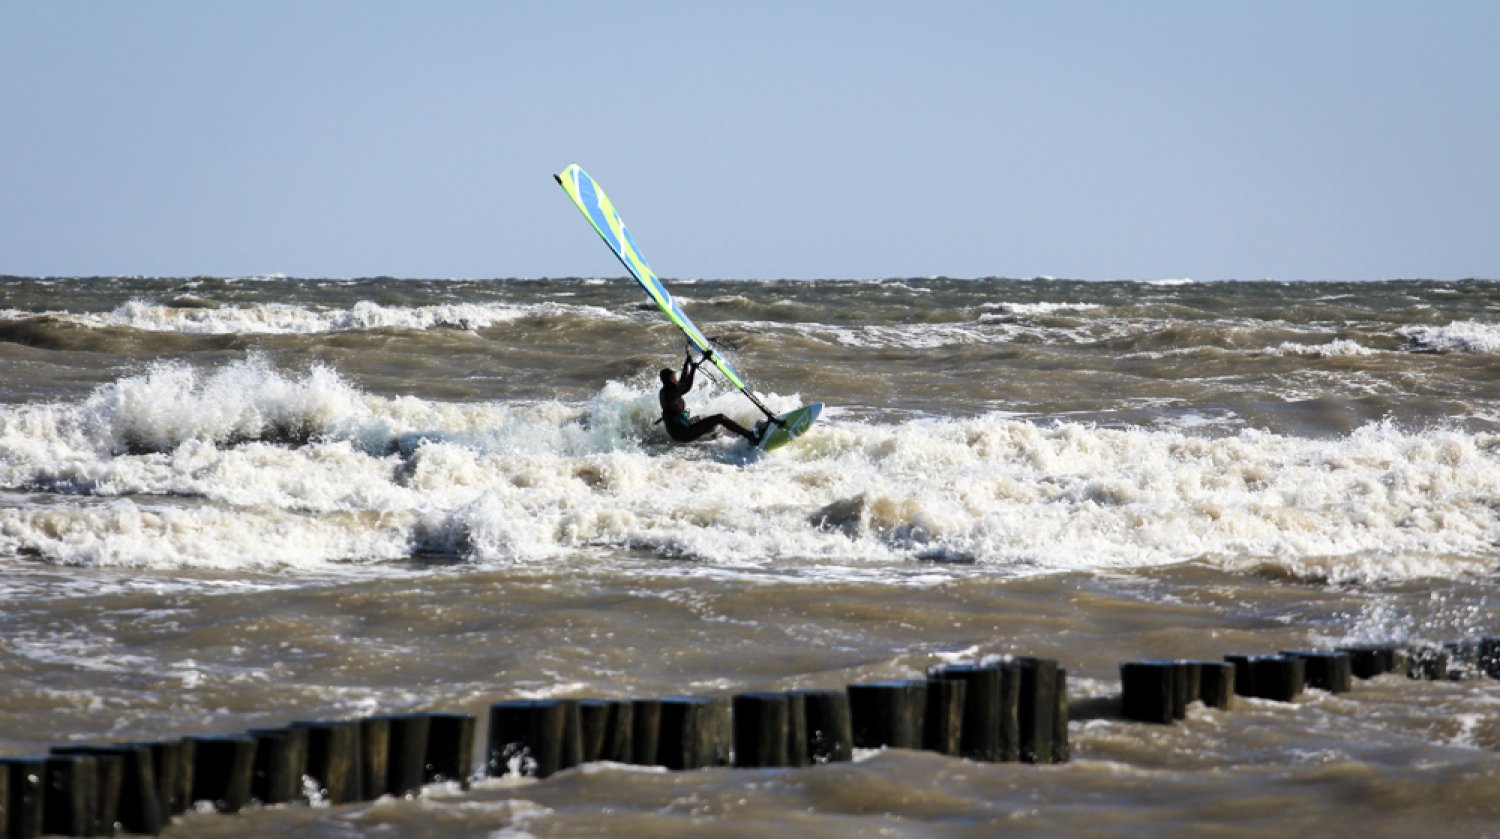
(685, 381)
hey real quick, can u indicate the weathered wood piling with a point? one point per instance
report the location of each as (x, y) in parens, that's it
(695, 732)
(280, 760)
(407, 753)
(797, 743)
(1007, 709)
(71, 797)
(943, 726)
(172, 764)
(983, 708)
(1035, 707)
(645, 731)
(762, 729)
(1366, 661)
(829, 737)
(450, 749)
(888, 714)
(1062, 752)
(1325, 670)
(1279, 678)
(127, 787)
(1488, 657)
(526, 738)
(25, 782)
(333, 759)
(223, 770)
(1148, 690)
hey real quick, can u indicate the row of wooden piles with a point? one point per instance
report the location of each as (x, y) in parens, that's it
(138, 786)
(1013, 709)
(1159, 690)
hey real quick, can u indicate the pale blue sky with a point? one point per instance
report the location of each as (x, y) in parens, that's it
(1290, 140)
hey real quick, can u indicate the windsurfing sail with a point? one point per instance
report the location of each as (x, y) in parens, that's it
(597, 208)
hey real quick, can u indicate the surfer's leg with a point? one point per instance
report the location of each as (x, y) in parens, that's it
(694, 430)
(707, 425)
(737, 428)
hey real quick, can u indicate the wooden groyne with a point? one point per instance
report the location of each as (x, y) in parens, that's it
(1014, 709)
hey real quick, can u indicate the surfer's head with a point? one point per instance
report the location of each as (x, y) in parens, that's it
(668, 376)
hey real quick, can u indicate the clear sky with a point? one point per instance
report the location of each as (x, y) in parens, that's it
(1099, 140)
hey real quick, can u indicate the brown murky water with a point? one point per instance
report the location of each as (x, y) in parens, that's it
(227, 505)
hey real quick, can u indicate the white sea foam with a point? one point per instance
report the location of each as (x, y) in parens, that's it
(248, 466)
(276, 318)
(1339, 347)
(1040, 308)
(1459, 336)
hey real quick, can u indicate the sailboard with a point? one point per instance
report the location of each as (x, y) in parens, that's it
(793, 425)
(590, 199)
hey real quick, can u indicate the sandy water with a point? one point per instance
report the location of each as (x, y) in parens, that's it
(234, 503)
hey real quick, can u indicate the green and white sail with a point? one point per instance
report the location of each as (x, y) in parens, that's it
(597, 208)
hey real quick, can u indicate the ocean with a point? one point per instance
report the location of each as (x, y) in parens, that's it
(231, 503)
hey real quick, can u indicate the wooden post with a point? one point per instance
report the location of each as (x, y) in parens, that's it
(172, 765)
(1148, 691)
(1429, 663)
(223, 766)
(333, 759)
(1191, 688)
(1276, 677)
(796, 729)
(109, 786)
(605, 730)
(1279, 678)
(26, 797)
(888, 714)
(1216, 684)
(593, 717)
(982, 708)
(1035, 708)
(72, 796)
(280, 761)
(619, 725)
(1488, 658)
(526, 738)
(695, 733)
(1461, 661)
(1330, 671)
(450, 749)
(761, 729)
(645, 731)
(572, 744)
(140, 810)
(829, 737)
(374, 757)
(408, 753)
(1061, 751)
(1010, 711)
(943, 728)
(127, 787)
(1366, 661)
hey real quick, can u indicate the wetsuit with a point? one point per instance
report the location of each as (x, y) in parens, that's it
(680, 424)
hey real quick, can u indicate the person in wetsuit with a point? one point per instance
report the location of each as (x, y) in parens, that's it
(681, 426)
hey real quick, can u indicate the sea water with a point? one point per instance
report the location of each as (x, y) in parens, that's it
(235, 502)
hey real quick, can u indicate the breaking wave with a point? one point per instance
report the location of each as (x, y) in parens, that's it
(246, 465)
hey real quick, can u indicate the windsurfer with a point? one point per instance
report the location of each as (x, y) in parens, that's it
(681, 426)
